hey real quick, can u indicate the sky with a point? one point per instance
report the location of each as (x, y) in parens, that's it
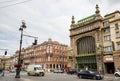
(44, 19)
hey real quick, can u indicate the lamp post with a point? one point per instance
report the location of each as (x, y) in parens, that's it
(63, 61)
(18, 66)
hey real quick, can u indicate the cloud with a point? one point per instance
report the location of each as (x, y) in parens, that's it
(46, 19)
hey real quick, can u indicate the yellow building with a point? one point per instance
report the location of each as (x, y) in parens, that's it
(111, 29)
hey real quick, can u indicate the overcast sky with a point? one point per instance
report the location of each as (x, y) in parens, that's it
(44, 19)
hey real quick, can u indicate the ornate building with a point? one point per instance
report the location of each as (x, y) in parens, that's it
(50, 54)
(95, 43)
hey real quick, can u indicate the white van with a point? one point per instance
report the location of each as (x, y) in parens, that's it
(35, 70)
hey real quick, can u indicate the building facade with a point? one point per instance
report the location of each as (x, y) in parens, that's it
(50, 54)
(95, 43)
(6, 62)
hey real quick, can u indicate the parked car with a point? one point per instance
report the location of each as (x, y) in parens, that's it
(71, 71)
(117, 74)
(58, 71)
(12, 71)
(89, 75)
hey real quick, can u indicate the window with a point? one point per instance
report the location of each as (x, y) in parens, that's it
(107, 30)
(107, 38)
(117, 34)
(116, 26)
(108, 48)
(118, 46)
(106, 24)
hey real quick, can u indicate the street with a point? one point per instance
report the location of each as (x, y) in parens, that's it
(52, 77)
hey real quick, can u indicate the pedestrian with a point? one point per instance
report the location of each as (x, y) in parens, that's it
(1, 70)
(100, 72)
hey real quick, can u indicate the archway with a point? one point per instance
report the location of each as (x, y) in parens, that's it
(86, 51)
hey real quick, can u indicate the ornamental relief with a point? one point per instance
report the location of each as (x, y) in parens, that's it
(85, 29)
(93, 34)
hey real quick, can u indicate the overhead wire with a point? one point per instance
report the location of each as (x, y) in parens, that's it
(8, 1)
(15, 3)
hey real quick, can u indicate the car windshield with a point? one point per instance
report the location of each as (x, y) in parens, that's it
(38, 68)
(91, 72)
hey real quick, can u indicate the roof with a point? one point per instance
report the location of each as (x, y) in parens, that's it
(112, 13)
(86, 19)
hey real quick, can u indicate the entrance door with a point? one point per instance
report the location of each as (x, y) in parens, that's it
(110, 68)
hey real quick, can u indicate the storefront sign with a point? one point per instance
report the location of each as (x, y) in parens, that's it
(108, 58)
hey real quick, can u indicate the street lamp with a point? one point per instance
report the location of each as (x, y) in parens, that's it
(18, 66)
(63, 61)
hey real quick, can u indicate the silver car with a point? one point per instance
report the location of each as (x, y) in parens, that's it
(12, 71)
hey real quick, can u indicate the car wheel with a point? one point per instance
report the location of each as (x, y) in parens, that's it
(41, 74)
(80, 76)
(116, 75)
(28, 74)
(94, 78)
(36, 74)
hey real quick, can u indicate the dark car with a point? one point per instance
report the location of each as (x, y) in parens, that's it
(71, 71)
(89, 75)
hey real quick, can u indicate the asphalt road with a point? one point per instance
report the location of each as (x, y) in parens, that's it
(55, 77)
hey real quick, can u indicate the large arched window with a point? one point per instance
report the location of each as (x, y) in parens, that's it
(86, 45)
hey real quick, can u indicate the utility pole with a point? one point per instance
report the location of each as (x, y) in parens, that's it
(63, 60)
(23, 26)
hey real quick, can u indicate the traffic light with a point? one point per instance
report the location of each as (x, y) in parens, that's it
(35, 42)
(5, 52)
(21, 61)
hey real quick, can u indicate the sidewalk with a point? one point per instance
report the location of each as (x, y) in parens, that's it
(111, 77)
(8, 78)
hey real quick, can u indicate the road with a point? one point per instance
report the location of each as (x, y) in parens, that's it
(55, 77)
